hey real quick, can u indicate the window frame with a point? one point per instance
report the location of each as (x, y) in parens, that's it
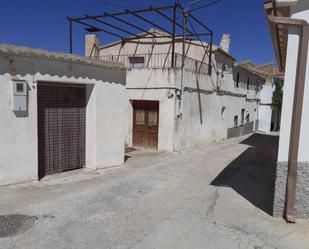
(235, 120)
(137, 63)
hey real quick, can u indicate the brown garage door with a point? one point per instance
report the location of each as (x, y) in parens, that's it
(145, 123)
(61, 127)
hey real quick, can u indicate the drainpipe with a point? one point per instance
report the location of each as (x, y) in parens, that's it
(297, 109)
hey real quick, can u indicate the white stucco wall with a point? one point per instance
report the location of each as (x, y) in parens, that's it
(300, 11)
(203, 119)
(265, 114)
(18, 131)
(265, 108)
(267, 92)
(197, 119)
(153, 84)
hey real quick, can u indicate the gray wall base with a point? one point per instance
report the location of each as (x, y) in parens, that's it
(241, 130)
(302, 190)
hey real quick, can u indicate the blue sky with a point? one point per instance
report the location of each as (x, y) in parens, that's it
(43, 24)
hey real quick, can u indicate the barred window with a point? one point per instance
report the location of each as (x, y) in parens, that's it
(137, 61)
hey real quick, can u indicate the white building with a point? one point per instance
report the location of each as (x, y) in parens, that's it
(265, 109)
(288, 22)
(58, 112)
(171, 109)
(269, 114)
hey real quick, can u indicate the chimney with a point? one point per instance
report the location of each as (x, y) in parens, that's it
(92, 45)
(225, 42)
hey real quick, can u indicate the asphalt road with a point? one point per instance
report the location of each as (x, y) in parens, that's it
(217, 196)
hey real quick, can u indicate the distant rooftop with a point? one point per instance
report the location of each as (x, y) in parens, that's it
(267, 69)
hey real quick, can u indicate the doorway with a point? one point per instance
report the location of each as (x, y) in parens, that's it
(145, 123)
(61, 127)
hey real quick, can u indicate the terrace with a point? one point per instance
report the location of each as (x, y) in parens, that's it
(158, 61)
(177, 23)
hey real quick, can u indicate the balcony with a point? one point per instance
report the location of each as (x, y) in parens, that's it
(157, 61)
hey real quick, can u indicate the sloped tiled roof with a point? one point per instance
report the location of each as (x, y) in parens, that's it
(8, 49)
(265, 70)
(279, 33)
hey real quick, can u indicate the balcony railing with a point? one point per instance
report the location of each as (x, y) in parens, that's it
(158, 61)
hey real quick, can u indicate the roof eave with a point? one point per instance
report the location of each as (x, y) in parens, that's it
(279, 39)
(218, 49)
(286, 3)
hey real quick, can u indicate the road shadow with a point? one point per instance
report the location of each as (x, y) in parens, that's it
(253, 173)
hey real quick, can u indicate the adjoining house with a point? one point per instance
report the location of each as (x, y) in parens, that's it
(288, 22)
(58, 112)
(170, 108)
(269, 114)
(274, 83)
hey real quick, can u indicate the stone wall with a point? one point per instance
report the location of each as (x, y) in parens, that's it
(301, 207)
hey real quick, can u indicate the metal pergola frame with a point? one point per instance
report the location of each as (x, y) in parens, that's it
(104, 27)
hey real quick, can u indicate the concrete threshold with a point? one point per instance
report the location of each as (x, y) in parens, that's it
(70, 176)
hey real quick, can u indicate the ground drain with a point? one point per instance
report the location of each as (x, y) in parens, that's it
(14, 224)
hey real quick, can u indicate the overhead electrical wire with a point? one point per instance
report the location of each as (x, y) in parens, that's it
(205, 49)
(113, 4)
(205, 5)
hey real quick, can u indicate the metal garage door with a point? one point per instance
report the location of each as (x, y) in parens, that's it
(61, 127)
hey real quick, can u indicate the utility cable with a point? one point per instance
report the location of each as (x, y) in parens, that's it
(198, 37)
(206, 5)
(113, 4)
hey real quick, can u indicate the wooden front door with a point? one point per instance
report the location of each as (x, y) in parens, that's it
(145, 123)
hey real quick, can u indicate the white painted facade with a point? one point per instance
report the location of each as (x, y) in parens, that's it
(288, 58)
(105, 88)
(265, 108)
(300, 11)
(199, 109)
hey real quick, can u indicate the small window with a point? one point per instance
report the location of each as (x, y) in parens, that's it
(235, 120)
(223, 110)
(248, 84)
(242, 116)
(137, 61)
(237, 80)
(248, 118)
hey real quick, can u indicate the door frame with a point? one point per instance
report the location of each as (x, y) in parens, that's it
(155, 102)
(60, 84)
